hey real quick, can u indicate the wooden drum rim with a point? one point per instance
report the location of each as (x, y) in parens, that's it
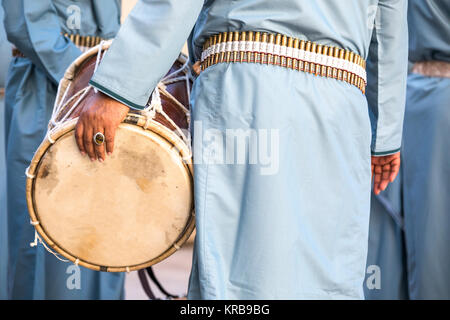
(132, 119)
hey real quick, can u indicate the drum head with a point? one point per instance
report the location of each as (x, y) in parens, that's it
(124, 212)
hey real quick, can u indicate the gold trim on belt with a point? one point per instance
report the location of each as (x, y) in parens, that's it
(83, 43)
(288, 52)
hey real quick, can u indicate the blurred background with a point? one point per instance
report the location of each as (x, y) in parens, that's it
(173, 273)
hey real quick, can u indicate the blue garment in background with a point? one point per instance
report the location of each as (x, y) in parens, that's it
(5, 57)
(413, 251)
(36, 28)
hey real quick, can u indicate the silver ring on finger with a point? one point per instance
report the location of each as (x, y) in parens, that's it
(99, 138)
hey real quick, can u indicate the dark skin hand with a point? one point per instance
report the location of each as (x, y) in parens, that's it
(384, 171)
(100, 113)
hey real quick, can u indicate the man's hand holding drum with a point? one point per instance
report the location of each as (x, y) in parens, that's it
(97, 125)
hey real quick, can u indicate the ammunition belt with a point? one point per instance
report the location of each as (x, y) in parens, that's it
(288, 52)
(83, 43)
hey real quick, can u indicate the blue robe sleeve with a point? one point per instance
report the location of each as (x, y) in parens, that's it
(145, 48)
(387, 67)
(34, 28)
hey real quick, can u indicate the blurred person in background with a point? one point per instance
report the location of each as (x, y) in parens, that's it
(409, 238)
(43, 33)
(5, 57)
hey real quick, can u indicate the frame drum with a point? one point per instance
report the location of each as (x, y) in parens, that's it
(134, 209)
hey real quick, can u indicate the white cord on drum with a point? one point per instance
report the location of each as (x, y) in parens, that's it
(57, 108)
(155, 105)
(38, 239)
(170, 78)
(80, 95)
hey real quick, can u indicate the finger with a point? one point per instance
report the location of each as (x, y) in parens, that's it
(110, 134)
(383, 184)
(100, 149)
(377, 179)
(88, 142)
(395, 168)
(376, 188)
(386, 176)
(393, 174)
(377, 174)
(79, 137)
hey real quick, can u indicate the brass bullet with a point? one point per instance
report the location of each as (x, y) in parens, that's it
(264, 39)
(205, 48)
(235, 57)
(217, 54)
(295, 61)
(208, 51)
(308, 50)
(277, 50)
(341, 56)
(290, 45)
(211, 50)
(270, 59)
(357, 78)
(283, 51)
(250, 53)
(257, 54)
(77, 40)
(324, 58)
(318, 65)
(336, 56)
(223, 47)
(302, 62)
(243, 54)
(364, 67)
(83, 42)
(312, 67)
(229, 47)
(350, 76)
(330, 69)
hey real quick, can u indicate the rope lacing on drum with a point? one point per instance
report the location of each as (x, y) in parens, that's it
(80, 95)
(155, 105)
(38, 239)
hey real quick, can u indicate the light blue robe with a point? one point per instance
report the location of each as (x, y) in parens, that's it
(294, 226)
(5, 57)
(36, 28)
(409, 238)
